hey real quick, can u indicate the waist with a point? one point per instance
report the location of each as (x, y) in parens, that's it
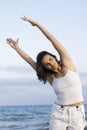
(71, 105)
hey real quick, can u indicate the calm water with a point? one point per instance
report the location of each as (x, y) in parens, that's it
(25, 117)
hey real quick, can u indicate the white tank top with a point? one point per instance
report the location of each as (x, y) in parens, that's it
(68, 88)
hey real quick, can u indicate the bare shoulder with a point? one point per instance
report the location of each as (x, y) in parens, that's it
(69, 64)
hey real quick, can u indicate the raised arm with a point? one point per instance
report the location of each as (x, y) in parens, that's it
(64, 55)
(25, 56)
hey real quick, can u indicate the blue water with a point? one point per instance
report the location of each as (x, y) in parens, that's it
(34, 117)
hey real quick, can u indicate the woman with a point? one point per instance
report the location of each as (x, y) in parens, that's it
(68, 111)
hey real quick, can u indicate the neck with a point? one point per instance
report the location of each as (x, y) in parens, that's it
(61, 72)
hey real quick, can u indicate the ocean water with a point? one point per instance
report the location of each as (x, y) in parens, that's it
(35, 117)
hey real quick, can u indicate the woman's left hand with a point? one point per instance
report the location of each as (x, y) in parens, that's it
(29, 20)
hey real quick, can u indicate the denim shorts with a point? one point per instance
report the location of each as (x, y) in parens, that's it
(67, 118)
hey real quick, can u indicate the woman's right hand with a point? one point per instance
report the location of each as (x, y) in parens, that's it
(12, 43)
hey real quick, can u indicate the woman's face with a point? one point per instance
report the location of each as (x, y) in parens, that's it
(50, 63)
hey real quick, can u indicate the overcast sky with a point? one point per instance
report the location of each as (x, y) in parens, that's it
(65, 19)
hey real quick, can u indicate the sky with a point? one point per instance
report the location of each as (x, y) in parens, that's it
(65, 19)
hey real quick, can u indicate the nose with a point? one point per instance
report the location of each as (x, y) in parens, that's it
(52, 64)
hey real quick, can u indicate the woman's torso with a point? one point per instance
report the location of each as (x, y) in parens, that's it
(68, 88)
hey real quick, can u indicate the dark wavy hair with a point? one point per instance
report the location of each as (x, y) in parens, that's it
(42, 73)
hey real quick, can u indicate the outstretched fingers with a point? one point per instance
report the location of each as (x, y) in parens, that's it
(11, 42)
(28, 20)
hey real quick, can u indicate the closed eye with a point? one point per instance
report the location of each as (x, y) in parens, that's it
(50, 59)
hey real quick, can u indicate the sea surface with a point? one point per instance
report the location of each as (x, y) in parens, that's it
(35, 117)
